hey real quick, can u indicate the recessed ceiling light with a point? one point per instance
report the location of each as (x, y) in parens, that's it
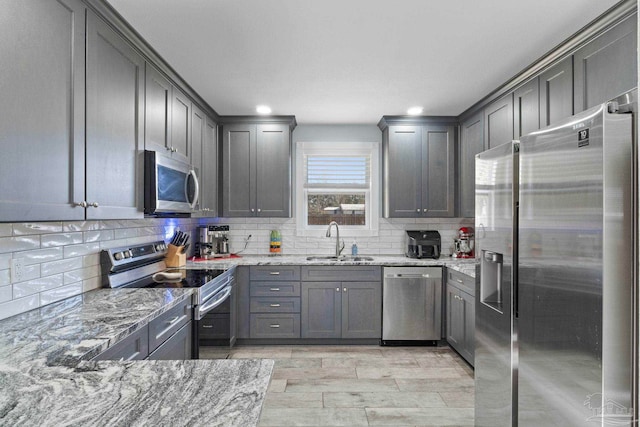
(263, 109)
(414, 111)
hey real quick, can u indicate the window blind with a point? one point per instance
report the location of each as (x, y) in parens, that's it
(337, 171)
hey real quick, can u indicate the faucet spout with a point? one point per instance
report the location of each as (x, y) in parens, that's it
(338, 248)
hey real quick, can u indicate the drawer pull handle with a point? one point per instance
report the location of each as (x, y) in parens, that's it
(274, 289)
(207, 326)
(274, 326)
(274, 273)
(274, 305)
(459, 281)
(173, 320)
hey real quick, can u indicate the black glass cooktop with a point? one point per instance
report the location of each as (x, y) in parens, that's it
(186, 279)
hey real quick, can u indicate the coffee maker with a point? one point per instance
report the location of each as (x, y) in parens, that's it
(464, 243)
(213, 241)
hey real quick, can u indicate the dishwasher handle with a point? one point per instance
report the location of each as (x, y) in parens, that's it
(407, 276)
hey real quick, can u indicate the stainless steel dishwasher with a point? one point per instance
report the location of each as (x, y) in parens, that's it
(411, 305)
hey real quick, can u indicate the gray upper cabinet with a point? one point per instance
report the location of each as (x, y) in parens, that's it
(114, 135)
(198, 121)
(471, 143)
(180, 125)
(526, 108)
(498, 121)
(419, 170)
(556, 92)
(252, 187)
(157, 123)
(42, 116)
(607, 66)
(209, 170)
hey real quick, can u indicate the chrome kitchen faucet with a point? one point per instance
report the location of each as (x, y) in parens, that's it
(338, 248)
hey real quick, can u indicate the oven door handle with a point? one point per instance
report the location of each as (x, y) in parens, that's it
(205, 308)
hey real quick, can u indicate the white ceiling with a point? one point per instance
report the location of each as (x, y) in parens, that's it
(352, 61)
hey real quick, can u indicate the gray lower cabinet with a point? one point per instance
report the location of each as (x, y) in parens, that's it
(419, 171)
(114, 132)
(347, 303)
(133, 347)
(498, 121)
(460, 314)
(471, 143)
(177, 347)
(168, 323)
(607, 66)
(251, 187)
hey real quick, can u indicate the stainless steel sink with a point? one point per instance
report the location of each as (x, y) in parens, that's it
(342, 258)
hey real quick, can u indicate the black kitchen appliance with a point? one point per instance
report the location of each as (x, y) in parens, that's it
(143, 266)
(423, 244)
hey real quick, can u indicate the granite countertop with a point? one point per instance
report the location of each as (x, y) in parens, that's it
(465, 266)
(47, 379)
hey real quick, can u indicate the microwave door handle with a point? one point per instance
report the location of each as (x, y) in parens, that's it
(196, 195)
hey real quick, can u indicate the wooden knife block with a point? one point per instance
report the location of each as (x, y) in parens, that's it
(175, 257)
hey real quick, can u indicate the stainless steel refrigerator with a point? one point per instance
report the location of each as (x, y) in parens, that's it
(554, 230)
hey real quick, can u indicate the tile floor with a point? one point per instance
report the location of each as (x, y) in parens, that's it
(365, 386)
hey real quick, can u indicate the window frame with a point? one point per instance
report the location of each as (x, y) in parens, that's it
(372, 194)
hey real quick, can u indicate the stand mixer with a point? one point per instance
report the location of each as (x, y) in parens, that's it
(464, 243)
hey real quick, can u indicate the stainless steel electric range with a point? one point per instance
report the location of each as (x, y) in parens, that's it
(143, 266)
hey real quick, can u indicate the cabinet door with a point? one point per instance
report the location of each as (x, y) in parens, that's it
(178, 347)
(403, 169)
(42, 116)
(607, 66)
(361, 310)
(526, 108)
(455, 318)
(198, 120)
(437, 171)
(321, 310)
(180, 129)
(115, 95)
(209, 171)
(157, 110)
(243, 301)
(238, 168)
(133, 347)
(273, 171)
(469, 326)
(472, 143)
(498, 121)
(556, 92)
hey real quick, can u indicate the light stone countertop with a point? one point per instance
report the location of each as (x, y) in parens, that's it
(46, 378)
(465, 266)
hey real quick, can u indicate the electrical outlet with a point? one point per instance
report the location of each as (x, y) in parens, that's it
(17, 269)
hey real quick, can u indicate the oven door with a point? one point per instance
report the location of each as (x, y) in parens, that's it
(213, 336)
(170, 185)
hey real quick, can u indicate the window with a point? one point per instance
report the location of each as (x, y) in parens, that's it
(337, 182)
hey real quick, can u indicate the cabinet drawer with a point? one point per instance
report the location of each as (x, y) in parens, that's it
(178, 347)
(274, 272)
(133, 347)
(275, 326)
(275, 305)
(270, 289)
(214, 326)
(342, 273)
(168, 323)
(462, 281)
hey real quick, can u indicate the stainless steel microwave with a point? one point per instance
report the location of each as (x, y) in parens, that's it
(170, 186)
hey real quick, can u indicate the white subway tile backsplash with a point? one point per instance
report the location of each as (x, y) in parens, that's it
(113, 243)
(79, 250)
(60, 293)
(5, 260)
(125, 233)
(91, 284)
(40, 284)
(23, 243)
(38, 256)
(98, 236)
(90, 260)
(81, 274)
(82, 226)
(63, 239)
(28, 228)
(54, 267)
(20, 305)
(5, 277)
(30, 272)
(6, 293)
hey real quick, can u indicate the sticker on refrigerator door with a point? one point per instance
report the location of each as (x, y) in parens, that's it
(583, 137)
